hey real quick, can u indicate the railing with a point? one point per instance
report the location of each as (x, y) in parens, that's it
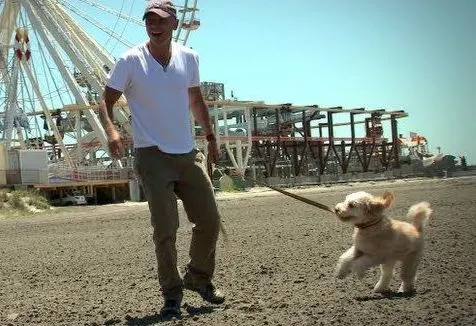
(63, 175)
(83, 174)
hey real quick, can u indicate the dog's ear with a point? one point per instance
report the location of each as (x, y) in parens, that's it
(388, 198)
(375, 205)
(378, 204)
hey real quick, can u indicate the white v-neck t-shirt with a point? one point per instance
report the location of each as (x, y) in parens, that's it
(158, 96)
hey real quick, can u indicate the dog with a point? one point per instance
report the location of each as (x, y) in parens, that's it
(379, 240)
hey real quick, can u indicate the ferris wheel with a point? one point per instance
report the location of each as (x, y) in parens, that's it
(54, 59)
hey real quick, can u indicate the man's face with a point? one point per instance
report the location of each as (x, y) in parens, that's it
(160, 29)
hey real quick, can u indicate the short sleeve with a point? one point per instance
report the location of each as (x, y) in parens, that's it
(194, 71)
(119, 76)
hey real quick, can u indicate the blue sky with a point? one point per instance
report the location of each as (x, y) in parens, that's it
(419, 56)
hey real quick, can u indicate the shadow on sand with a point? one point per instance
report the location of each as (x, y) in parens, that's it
(157, 318)
(390, 295)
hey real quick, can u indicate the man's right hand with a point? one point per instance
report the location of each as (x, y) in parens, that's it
(116, 146)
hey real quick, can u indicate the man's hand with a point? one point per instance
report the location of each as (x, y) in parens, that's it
(213, 153)
(116, 147)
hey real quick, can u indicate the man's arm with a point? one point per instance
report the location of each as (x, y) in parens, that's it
(111, 96)
(200, 110)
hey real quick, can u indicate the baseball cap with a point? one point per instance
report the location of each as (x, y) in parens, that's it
(163, 8)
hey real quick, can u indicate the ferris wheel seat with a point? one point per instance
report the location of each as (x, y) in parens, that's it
(191, 25)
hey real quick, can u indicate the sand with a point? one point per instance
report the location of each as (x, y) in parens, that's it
(96, 265)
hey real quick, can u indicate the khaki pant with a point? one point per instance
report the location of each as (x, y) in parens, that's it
(163, 176)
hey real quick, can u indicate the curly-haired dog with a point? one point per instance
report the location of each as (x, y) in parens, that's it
(379, 240)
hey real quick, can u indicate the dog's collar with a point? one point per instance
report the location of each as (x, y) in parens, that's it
(364, 226)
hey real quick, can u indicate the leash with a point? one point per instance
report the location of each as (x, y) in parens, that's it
(222, 227)
(284, 192)
(300, 198)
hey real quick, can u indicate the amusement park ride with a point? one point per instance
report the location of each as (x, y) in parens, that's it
(52, 71)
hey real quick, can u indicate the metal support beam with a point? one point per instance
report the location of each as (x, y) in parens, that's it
(8, 19)
(67, 77)
(48, 117)
(395, 141)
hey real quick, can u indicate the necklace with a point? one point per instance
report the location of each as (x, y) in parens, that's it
(166, 62)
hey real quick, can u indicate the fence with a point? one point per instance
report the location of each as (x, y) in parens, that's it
(63, 175)
(23, 176)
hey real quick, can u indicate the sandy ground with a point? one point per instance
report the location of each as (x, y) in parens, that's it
(96, 265)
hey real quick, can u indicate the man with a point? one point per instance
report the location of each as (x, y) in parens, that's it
(160, 80)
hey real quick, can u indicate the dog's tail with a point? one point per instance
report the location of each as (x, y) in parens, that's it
(419, 214)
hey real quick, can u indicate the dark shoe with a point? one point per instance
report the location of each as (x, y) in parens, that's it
(208, 292)
(170, 308)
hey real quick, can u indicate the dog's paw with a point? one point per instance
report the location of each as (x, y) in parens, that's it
(407, 289)
(340, 274)
(359, 272)
(343, 268)
(379, 288)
